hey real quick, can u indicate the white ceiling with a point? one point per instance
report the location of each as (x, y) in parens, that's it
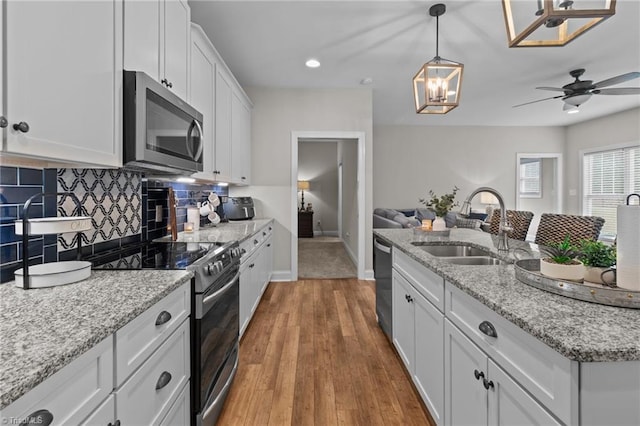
(265, 43)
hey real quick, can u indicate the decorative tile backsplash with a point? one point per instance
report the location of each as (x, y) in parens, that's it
(121, 203)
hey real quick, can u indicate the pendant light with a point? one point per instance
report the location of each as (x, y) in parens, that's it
(436, 86)
(539, 23)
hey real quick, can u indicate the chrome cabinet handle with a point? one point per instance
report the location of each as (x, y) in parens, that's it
(163, 318)
(487, 328)
(3, 122)
(163, 380)
(21, 127)
(479, 374)
(255, 241)
(40, 418)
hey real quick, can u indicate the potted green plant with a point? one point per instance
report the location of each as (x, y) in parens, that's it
(561, 261)
(596, 257)
(441, 206)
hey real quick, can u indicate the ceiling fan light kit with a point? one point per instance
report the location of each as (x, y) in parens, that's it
(436, 86)
(540, 23)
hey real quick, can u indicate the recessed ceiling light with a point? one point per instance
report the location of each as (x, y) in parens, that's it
(573, 111)
(367, 80)
(312, 63)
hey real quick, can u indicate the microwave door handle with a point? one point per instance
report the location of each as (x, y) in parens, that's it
(199, 150)
(188, 142)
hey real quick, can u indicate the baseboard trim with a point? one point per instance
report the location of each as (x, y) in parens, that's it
(368, 275)
(281, 276)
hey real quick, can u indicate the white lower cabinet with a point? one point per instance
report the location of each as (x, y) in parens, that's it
(419, 342)
(255, 272)
(479, 392)
(145, 398)
(137, 376)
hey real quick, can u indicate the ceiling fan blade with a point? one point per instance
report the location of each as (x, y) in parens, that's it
(618, 79)
(554, 89)
(618, 91)
(539, 100)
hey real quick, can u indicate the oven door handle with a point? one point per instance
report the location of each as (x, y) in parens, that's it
(209, 300)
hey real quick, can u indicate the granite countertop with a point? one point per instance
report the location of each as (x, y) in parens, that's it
(222, 232)
(581, 331)
(43, 330)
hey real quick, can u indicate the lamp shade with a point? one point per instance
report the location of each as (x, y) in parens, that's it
(303, 185)
(532, 23)
(488, 198)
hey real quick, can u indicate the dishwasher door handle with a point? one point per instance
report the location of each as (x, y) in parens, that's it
(382, 247)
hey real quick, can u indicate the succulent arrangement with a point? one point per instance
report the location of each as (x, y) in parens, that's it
(562, 253)
(441, 205)
(597, 254)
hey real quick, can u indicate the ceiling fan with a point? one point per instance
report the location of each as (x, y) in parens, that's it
(579, 91)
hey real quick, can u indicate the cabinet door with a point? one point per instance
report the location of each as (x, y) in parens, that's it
(429, 356)
(246, 278)
(175, 41)
(223, 124)
(179, 414)
(202, 95)
(466, 401)
(142, 36)
(240, 139)
(509, 404)
(403, 322)
(105, 414)
(64, 80)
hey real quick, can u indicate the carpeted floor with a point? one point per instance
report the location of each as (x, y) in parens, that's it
(324, 257)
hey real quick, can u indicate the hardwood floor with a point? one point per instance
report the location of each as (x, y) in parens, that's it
(314, 355)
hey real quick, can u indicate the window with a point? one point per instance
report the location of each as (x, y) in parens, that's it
(609, 176)
(530, 178)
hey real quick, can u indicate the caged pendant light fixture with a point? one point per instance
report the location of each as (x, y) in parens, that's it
(436, 86)
(539, 23)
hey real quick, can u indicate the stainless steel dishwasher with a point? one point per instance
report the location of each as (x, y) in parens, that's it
(382, 274)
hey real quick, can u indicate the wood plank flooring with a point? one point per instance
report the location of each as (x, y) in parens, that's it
(314, 355)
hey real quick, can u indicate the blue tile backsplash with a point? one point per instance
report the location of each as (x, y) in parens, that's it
(122, 205)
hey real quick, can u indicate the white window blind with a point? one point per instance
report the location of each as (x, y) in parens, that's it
(609, 176)
(530, 178)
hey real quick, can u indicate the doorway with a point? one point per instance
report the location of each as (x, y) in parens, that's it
(538, 186)
(348, 222)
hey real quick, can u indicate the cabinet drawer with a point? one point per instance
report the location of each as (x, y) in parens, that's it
(179, 414)
(551, 378)
(147, 396)
(138, 339)
(249, 245)
(103, 415)
(428, 283)
(72, 393)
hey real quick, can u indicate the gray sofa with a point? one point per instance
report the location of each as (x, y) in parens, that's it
(397, 218)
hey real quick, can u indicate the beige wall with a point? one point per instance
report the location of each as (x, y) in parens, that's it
(615, 129)
(348, 152)
(276, 114)
(410, 160)
(318, 164)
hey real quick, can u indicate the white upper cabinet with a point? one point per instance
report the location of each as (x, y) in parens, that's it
(202, 94)
(156, 41)
(223, 124)
(63, 64)
(240, 139)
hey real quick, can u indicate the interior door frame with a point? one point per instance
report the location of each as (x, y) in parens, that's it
(336, 135)
(559, 175)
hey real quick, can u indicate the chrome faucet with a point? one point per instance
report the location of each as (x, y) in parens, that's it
(504, 228)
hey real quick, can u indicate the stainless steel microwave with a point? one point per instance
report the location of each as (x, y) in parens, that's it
(162, 133)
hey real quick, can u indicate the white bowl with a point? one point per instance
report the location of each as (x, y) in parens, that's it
(54, 274)
(55, 225)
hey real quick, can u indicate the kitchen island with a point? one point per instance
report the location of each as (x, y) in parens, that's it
(43, 330)
(579, 360)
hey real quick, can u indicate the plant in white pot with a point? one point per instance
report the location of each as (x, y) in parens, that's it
(561, 261)
(596, 257)
(441, 206)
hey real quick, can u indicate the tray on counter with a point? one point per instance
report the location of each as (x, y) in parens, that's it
(528, 272)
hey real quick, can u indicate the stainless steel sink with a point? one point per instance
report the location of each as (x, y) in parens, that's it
(477, 260)
(452, 250)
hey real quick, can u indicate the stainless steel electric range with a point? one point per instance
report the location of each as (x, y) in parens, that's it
(214, 316)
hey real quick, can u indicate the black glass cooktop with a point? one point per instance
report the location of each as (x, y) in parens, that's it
(151, 255)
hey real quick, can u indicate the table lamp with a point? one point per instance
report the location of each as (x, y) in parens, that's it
(302, 185)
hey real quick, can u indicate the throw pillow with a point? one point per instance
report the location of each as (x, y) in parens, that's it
(422, 213)
(462, 222)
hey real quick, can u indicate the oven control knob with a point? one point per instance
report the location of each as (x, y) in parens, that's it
(210, 269)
